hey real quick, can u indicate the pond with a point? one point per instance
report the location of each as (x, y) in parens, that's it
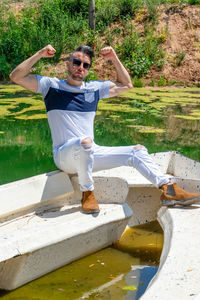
(119, 272)
(161, 119)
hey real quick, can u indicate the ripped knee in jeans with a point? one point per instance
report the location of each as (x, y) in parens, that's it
(87, 143)
(137, 147)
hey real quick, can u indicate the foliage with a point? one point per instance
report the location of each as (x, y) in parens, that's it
(162, 81)
(64, 24)
(91, 76)
(178, 58)
(140, 52)
(152, 6)
(137, 82)
(35, 27)
(194, 2)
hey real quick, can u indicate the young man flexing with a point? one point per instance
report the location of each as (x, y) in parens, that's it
(71, 106)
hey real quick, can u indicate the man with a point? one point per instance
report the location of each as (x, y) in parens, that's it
(71, 106)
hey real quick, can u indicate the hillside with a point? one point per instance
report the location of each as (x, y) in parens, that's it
(178, 29)
(181, 26)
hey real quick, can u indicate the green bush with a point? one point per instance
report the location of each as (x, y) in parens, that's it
(162, 81)
(178, 58)
(91, 76)
(106, 12)
(47, 23)
(129, 7)
(64, 24)
(152, 6)
(194, 2)
(140, 52)
(137, 82)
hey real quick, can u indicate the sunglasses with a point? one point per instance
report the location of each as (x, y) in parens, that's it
(78, 62)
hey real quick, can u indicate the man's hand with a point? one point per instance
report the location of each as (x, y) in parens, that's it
(109, 53)
(47, 51)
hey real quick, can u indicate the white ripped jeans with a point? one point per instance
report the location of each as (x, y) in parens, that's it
(83, 159)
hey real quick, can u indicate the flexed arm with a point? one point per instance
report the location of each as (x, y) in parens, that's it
(21, 74)
(123, 82)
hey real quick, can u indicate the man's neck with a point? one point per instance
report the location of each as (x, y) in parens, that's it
(73, 82)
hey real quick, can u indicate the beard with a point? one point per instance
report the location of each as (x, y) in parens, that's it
(75, 77)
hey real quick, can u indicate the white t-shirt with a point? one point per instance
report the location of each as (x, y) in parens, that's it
(71, 110)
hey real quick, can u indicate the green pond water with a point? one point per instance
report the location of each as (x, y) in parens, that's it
(161, 119)
(107, 274)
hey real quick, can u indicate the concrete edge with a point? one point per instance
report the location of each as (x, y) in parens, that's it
(166, 222)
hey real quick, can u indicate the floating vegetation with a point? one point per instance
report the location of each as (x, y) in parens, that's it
(114, 116)
(16, 101)
(162, 119)
(195, 113)
(167, 96)
(187, 117)
(118, 107)
(33, 117)
(147, 129)
(17, 106)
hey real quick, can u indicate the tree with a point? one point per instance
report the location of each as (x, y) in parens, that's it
(92, 14)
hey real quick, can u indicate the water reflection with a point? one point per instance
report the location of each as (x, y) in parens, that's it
(142, 276)
(170, 123)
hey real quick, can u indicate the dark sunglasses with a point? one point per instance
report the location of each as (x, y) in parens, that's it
(78, 62)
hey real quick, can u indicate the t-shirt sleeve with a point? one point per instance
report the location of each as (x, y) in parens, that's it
(104, 87)
(44, 84)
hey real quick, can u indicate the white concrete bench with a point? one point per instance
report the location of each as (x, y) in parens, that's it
(42, 227)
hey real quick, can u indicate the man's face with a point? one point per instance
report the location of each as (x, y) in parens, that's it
(78, 66)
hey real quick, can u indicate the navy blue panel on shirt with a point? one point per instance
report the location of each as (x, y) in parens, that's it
(64, 100)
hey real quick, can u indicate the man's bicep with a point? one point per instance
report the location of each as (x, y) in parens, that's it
(117, 88)
(29, 82)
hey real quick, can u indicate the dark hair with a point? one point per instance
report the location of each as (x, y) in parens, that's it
(86, 50)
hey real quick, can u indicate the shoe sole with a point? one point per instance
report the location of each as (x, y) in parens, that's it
(96, 211)
(185, 202)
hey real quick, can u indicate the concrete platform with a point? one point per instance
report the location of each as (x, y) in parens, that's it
(42, 227)
(37, 243)
(178, 276)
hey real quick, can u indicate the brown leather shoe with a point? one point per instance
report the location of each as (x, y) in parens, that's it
(174, 195)
(89, 203)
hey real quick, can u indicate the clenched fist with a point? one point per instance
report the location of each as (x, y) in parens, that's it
(108, 53)
(47, 51)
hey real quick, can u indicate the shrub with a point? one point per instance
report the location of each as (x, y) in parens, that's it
(137, 82)
(162, 81)
(194, 2)
(178, 58)
(91, 76)
(140, 52)
(129, 7)
(47, 23)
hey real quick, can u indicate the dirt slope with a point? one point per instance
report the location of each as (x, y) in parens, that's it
(180, 29)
